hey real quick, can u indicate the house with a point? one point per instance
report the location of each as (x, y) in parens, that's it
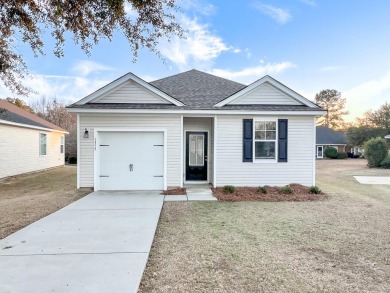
(194, 127)
(327, 137)
(27, 142)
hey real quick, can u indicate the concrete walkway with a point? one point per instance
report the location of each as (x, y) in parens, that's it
(195, 192)
(373, 180)
(99, 243)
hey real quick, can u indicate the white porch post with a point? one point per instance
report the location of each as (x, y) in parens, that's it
(215, 152)
(181, 151)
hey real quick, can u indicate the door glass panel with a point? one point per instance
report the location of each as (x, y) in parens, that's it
(196, 150)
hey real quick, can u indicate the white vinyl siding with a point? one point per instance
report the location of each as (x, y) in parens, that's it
(127, 121)
(301, 154)
(131, 93)
(20, 149)
(265, 94)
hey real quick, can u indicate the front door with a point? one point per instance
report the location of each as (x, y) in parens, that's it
(320, 152)
(196, 156)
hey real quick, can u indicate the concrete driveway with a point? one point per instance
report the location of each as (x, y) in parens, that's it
(99, 243)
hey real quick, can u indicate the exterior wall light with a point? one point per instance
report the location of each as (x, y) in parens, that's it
(86, 133)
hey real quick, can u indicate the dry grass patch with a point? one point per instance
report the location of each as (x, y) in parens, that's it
(27, 198)
(338, 245)
(175, 191)
(270, 193)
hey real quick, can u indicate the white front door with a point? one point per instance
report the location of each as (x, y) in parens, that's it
(131, 160)
(320, 151)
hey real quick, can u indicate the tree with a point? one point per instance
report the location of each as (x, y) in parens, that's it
(331, 101)
(375, 150)
(88, 21)
(357, 136)
(378, 119)
(19, 103)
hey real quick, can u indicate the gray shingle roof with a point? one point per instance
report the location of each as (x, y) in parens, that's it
(326, 135)
(196, 88)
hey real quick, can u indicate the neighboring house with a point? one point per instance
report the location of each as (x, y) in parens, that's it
(387, 136)
(194, 127)
(327, 137)
(27, 142)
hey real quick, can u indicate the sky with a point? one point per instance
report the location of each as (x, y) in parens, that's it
(308, 45)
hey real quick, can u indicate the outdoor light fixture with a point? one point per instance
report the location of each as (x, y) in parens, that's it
(86, 133)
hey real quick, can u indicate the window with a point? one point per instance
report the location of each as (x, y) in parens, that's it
(265, 139)
(42, 144)
(62, 145)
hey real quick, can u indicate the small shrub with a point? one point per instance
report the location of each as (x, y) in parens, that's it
(72, 160)
(228, 189)
(330, 153)
(342, 155)
(262, 189)
(315, 190)
(375, 151)
(386, 163)
(286, 189)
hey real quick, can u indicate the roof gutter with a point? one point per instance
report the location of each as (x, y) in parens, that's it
(31, 126)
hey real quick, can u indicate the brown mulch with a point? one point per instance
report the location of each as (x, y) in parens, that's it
(176, 191)
(300, 193)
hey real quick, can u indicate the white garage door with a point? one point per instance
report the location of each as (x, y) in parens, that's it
(131, 160)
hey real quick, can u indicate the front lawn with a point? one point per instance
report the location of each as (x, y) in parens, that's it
(338, 245)
(27, 198)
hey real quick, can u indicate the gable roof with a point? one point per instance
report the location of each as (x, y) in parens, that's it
(273, 82)
(197, 88)
(11, 114)
(119, 82)
(325, 135)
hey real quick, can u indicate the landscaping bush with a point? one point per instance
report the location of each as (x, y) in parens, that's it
(342, 155)
(72, 160)
(262, 189)
(375, 151)
(330, 153)
(228, 189)
(286, 189)
(315, 190)
(386, 163)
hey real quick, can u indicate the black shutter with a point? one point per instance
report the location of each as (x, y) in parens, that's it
(247, 138)
(282, 140)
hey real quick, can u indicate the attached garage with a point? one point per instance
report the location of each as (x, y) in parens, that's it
(130, 160)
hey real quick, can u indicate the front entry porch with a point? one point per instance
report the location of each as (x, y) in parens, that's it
(195, 192)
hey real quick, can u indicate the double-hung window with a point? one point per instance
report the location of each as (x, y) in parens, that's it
(265, 139)
(62, 145)
(42, 144)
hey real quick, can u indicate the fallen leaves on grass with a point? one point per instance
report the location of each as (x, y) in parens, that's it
(299, 193)
(175, 191)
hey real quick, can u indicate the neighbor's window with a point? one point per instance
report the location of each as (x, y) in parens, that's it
(265, 139)
(42, 144)
(62, 145)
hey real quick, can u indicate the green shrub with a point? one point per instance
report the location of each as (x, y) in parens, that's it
(375, 151)
(228, 189)
(72, 160)
(342, 155)
(386, 163)
(286, 189)
(330, 153)
(314, 189)
(262, 189)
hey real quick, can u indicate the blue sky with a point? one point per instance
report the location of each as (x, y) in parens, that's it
(308, 45)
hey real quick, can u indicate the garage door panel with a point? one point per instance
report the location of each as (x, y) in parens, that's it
(131, 160)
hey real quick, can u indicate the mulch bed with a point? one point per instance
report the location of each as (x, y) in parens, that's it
(176, 191)
(300, 193)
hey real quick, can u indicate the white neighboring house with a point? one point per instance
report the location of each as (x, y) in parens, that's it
(27, 142)
(194, 127)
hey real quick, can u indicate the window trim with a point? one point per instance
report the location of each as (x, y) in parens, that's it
(62, 144)
(274, 160)
(40, 154)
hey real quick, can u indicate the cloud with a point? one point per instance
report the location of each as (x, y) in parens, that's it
(369, 94)
(199, 6)
(281, 16)
(309, 2)
(200, 47)
(331, 68)
(250, 74)
(86, 67)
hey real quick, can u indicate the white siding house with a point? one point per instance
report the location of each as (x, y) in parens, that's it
(27, 142)
(194, 127)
